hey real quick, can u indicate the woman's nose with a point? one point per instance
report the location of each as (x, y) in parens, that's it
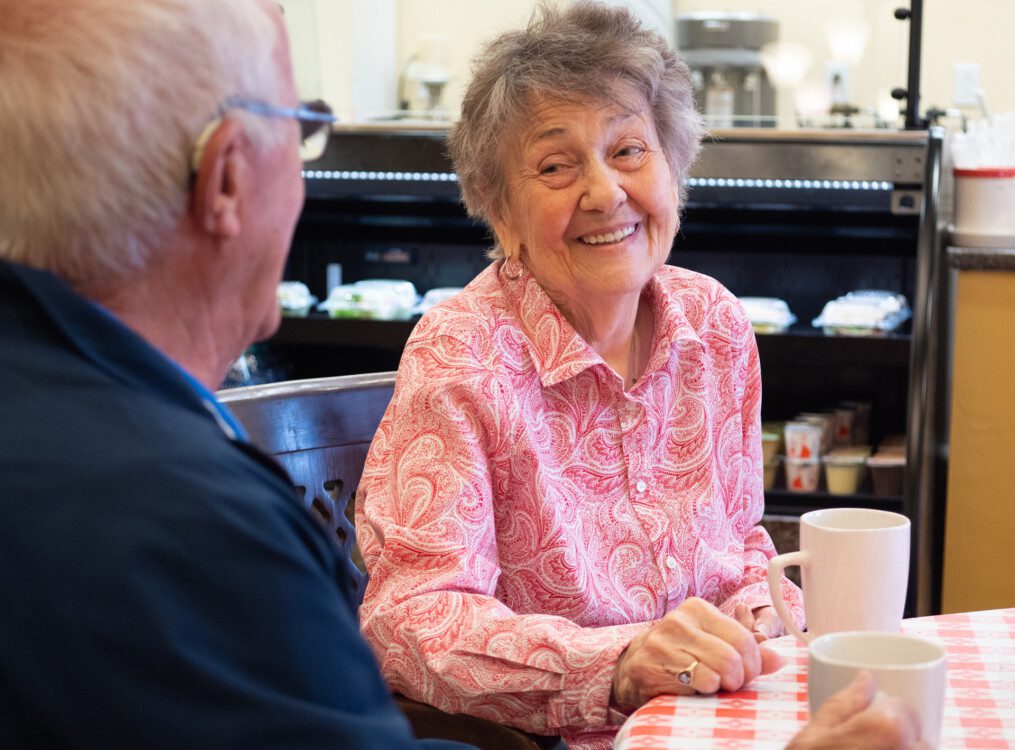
(602, 189)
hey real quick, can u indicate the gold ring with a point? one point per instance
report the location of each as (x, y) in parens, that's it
(685, 675)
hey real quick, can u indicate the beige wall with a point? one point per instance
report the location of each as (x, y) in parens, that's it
(954, 31)
(466, 24)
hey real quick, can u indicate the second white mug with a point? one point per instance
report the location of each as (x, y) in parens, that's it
(854, 570)
(910, 668)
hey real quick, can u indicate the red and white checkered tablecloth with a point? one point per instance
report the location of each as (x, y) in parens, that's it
(979, 700)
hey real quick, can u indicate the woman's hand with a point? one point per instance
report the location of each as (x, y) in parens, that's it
(764, 622)
(852, 720)
(695, 638)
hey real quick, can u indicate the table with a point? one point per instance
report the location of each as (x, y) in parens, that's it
(979, 700)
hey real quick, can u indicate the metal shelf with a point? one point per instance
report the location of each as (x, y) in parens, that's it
(320, 330)
(796, 345)
(801, 345)
(783, 502)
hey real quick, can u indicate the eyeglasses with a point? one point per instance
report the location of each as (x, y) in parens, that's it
(315, 119)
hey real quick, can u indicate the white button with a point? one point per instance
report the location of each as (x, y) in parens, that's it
(671, 563)
(641, 486)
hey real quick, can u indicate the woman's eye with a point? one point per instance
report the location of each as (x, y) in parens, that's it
(630, 151)
(551, 169)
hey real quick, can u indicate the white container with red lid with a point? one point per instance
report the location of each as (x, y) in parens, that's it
(984, 206)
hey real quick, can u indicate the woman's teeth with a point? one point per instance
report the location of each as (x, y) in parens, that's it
(603, 239)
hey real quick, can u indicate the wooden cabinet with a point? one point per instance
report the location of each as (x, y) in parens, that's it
(979, 571)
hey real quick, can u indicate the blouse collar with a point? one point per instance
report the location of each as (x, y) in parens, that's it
(558, 350)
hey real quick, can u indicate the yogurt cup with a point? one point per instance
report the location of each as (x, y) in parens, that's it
(861, 419)
(802, 474)
(888, 472)
(843, 473)
(803, 440)
(771, 472)
(845, 418)
(778, 428)
(769, 446)
(827, 422)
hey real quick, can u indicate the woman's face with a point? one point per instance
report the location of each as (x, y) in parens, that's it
(592, 202)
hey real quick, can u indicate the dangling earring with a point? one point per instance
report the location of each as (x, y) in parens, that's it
(513, 268)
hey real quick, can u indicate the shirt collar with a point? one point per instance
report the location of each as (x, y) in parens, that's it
(558, 350)
(225, 419)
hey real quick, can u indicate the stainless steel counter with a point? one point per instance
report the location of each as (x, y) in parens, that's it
(982, 258)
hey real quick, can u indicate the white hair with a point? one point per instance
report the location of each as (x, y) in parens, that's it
(100, 104)
(585, 52)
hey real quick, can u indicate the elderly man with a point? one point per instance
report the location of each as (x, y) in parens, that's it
(160, 584)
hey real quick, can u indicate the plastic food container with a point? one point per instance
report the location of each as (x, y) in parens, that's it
(768, 314)
(865, 312)
(803, 440)
(984, 203)
(295, 299)
(434, 297)
(802, 474)
(769, 446)
(887, 473)
(771, 472)
(843, 473)
(377, 298)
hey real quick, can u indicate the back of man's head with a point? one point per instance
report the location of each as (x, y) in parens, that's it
(100, 104)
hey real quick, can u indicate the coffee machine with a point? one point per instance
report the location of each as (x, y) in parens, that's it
(723, 52)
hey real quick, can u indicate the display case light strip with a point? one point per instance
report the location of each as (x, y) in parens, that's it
(327, 174)
(792, 184)
(725, 182)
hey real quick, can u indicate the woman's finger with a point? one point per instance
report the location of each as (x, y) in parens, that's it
(743, 615)
(720, 642)
(767, 622)
(704, 679)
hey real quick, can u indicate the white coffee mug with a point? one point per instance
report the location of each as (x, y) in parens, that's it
(854, 570)
(904, 666)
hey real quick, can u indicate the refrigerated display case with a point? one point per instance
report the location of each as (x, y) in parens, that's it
(804, 216)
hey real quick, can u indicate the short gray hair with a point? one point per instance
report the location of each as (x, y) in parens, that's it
(100, 104)
(586, 51)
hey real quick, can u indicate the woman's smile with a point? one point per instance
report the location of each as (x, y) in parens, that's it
(613, 236)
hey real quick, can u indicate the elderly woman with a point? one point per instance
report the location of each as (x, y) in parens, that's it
(559, 511)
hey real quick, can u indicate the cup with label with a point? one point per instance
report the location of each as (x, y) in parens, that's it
(854, 570)
(907, 667)
(803, 440)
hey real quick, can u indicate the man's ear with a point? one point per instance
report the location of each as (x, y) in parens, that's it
(216, 196)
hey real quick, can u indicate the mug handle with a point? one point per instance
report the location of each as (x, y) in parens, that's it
(776, 566)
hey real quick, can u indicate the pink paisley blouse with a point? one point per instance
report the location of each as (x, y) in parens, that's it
(523, 517)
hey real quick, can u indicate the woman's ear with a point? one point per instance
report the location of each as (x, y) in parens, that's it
(504, 230)
(216, 197)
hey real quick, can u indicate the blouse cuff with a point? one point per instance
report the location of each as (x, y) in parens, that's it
(758, 595)
(584, 702)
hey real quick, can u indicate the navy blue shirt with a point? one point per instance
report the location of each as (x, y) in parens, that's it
(160, 584)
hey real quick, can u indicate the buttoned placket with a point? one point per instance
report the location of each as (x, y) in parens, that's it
(631, 419)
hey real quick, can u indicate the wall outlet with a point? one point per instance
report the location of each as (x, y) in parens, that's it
(967, 84)
(837, 77)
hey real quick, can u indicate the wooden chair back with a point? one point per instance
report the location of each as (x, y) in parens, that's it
(319, 430)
